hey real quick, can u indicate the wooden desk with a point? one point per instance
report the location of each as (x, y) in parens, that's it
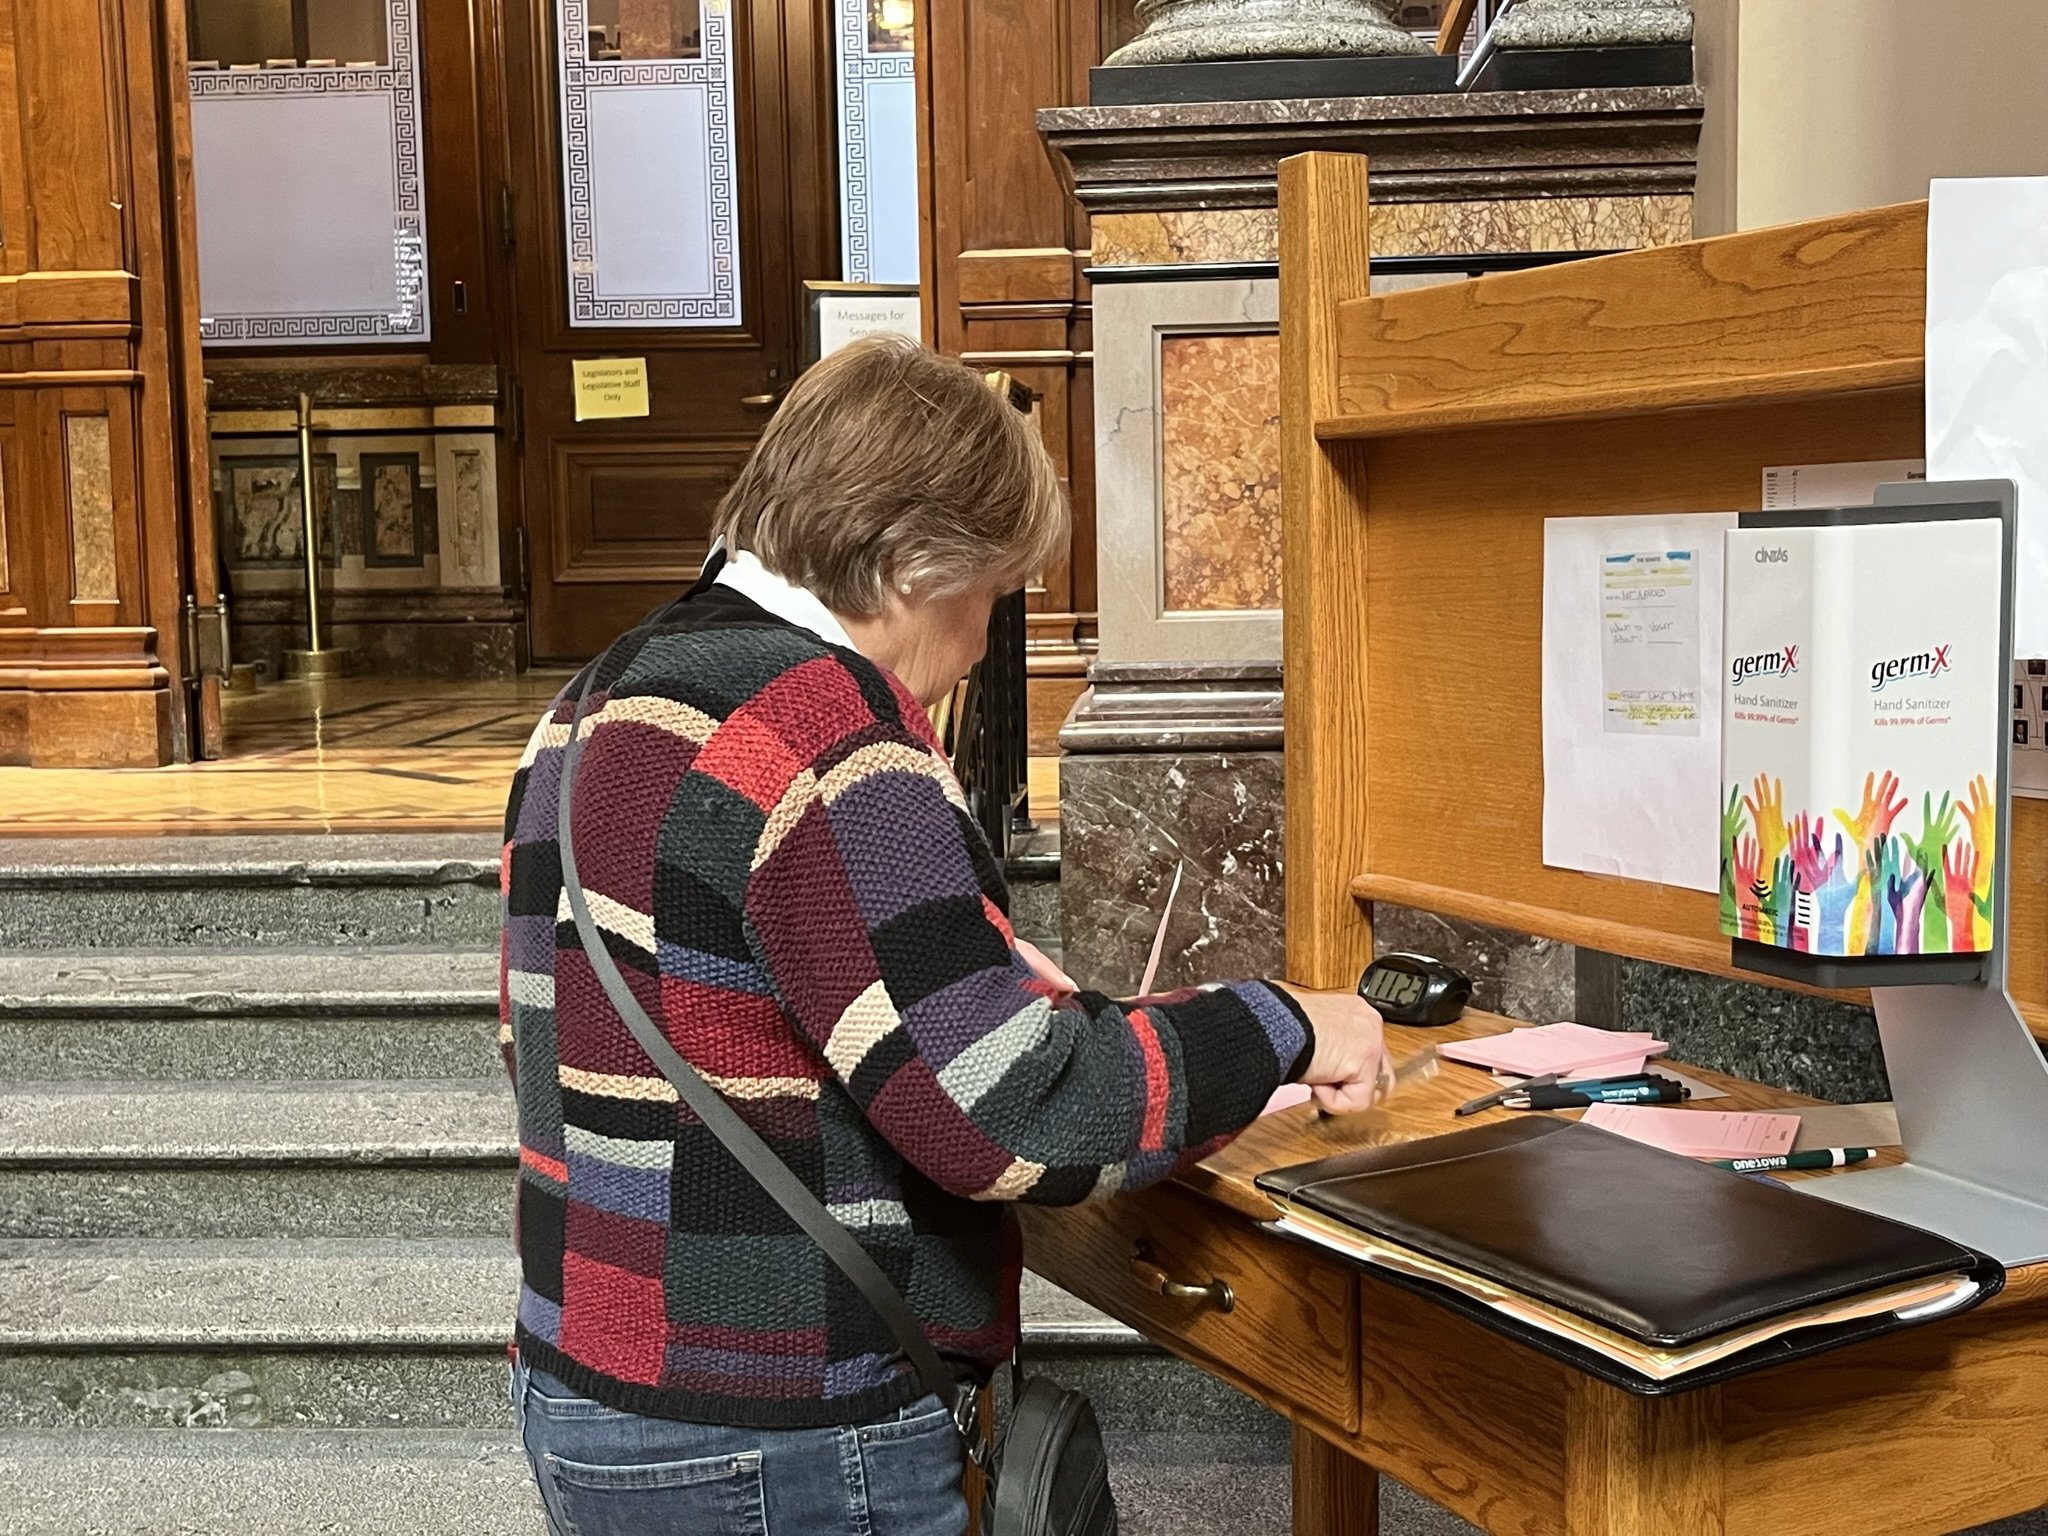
(1932, 1430)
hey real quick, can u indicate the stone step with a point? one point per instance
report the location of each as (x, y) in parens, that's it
(477, 1483)
(279, 1014)
(399, 888)
(142, 1482)
(403, 1158)
(327, 1333)
(257, 1124)
(239, 892)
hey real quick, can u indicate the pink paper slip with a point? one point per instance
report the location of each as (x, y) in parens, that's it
(1703, 1133)
(1286, 1096)
(1566, 1049)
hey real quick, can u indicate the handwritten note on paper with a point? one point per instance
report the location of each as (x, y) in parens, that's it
(1650, 643)
(1703, 1133)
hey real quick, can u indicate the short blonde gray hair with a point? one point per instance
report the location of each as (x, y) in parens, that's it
(887, 464)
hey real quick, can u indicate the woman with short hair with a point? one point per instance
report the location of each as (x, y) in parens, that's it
(782, 865)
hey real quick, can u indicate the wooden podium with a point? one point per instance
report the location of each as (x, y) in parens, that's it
(1428, 435)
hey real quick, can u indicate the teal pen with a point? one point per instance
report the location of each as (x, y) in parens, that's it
(1640, 1090)
(1820, 1157)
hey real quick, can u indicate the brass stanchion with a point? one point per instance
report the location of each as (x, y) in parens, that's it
(315, 661)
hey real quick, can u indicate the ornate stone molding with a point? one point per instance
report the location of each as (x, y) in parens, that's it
(1154, 706)
(1638, 141)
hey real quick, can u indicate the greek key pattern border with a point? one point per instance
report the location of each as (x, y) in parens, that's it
(858, 69)
(582, 75)
(398, 82)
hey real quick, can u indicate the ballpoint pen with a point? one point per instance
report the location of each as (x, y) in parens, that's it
(1637, 1090)
(1499, 1095)
(1819, 1157)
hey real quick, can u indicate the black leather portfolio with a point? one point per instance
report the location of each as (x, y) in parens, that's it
(1656, 1252)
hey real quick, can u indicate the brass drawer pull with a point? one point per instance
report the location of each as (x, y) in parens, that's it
(1153, 1278)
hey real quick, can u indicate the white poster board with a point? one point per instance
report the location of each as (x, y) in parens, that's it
(1632, 695)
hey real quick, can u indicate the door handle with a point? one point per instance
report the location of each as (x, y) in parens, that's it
(760, 402)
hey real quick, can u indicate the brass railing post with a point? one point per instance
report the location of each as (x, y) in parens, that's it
(315, 661)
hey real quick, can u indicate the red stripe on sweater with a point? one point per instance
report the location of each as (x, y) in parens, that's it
(1153, 1137)
(547, 1167)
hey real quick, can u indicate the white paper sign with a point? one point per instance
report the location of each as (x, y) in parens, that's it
(1632, 695)
(1987, 360)
(1855, 484)
(846, 317)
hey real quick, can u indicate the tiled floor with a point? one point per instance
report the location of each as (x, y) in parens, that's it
(354, 755)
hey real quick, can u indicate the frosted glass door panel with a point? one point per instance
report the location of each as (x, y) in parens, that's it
(297, 236)
(650, 197)
(310, 192)
(877, 142)
(651, 191)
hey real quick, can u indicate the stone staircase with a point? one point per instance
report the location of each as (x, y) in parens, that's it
(255, 1167)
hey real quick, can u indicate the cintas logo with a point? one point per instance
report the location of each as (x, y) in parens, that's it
(1782, 662)
(1922, 664)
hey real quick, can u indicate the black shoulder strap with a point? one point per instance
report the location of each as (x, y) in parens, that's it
(739, 1138)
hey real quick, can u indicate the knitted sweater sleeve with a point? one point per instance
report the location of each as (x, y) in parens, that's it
(892, 958)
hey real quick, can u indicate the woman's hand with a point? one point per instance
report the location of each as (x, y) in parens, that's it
(1344, 1072)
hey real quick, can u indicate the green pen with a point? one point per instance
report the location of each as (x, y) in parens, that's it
(1820, 1157)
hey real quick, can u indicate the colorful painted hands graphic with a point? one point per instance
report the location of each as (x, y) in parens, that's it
(1937, 830)
(1829, 878)
(1873, 891)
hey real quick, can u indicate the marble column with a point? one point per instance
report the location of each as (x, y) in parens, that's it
(1203, 31)
(1595, 24)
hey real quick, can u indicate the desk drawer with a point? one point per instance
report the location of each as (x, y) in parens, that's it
(1286, 1326)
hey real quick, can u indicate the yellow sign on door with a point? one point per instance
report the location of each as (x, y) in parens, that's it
(610, 386)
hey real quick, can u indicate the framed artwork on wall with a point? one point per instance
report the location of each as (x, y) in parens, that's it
(393, 511)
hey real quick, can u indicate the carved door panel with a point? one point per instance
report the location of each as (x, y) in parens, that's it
(674, 185)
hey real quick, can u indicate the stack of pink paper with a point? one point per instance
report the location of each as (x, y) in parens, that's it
(1570, 1050)
(1716, 1135)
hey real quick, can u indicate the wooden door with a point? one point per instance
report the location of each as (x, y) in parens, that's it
(617, 513)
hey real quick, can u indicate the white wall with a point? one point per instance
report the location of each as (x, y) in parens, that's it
(1844, 104)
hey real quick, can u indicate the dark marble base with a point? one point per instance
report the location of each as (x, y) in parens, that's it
(253, 384)
(451, 635)
(458, 651)
(1126, 820)
(1572, 69)
(1515, 974)
(1804, 1044)
(1131, 85)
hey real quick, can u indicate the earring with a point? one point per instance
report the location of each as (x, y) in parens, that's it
(903, 587)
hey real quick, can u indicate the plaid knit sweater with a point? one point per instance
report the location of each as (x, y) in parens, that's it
(782, 866)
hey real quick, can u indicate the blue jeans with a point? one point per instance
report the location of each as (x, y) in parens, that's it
(607, 1473)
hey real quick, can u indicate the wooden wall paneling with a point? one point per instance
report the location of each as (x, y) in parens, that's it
(70, 81)
(1325, 252)
(1004, 243)
(176, 510)
(462, 177)
(15, 228)
(98, 328)
(1811, 308)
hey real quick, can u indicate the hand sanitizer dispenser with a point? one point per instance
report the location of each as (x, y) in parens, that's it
(1864, 819)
